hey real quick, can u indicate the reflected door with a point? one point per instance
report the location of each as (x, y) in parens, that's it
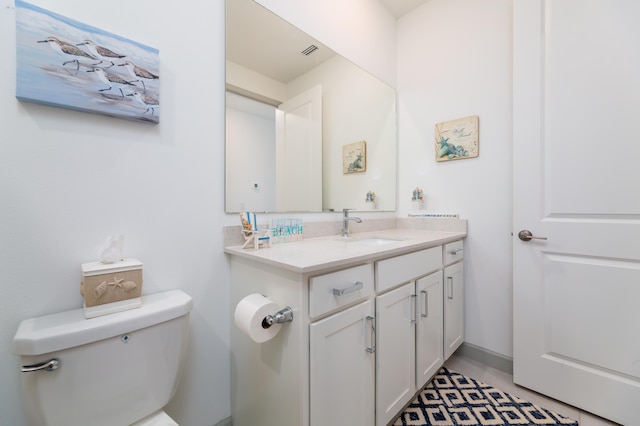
(299, 152)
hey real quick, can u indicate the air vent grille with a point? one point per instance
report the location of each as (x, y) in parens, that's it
(309, 50)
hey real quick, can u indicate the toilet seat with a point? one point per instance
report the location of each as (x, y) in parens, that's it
(159, 418)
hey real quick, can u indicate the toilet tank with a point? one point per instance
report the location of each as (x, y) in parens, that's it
(113, 370)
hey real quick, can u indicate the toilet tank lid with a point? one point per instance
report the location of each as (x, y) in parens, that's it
(68, 329)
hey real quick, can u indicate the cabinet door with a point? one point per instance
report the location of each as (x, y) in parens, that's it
(395, 356)
(342, 368)
(429, 330)
(453, 309)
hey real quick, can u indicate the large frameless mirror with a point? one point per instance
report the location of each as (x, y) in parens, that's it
(306, 129)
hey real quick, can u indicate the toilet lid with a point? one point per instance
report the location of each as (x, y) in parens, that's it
(159, 418)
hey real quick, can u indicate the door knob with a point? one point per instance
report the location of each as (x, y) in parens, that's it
(526, 235)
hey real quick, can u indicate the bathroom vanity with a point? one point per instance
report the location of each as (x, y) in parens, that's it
(375, 317)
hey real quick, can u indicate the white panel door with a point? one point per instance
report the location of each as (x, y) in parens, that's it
(395, 351)
(299, 152)
(429, 331)
(342, 368)
(576, 182)
(453, 308)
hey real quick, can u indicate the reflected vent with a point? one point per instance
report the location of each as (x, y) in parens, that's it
(309, 50)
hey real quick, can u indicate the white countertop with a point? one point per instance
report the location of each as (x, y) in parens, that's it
(315, 254)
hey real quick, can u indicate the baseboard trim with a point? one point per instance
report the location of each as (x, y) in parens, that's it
(225, 422)
(487, 357)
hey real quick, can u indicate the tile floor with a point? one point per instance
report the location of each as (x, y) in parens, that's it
(504, 382)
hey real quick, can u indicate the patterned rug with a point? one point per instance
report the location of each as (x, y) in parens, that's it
(452, 399)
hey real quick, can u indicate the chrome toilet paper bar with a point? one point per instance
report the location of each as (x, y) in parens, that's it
(282, 316)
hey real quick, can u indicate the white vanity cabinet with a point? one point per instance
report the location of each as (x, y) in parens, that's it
(453, 298)
(342, 368)
(396, 342)
(367, 332)
(429, 330)
(409, 327)
(342, 348)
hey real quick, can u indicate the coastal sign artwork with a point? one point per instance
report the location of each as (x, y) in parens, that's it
(65, 63)
(457, 139)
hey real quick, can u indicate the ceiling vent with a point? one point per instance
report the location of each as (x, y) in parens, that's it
(309, 50)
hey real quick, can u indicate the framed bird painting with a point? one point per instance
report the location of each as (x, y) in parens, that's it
(65, 63)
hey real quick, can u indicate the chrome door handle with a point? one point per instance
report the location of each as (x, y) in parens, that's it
(455, 252)
(358, 285)
(526, 235)
(50, 365)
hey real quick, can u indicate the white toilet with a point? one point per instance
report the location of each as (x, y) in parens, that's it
(117, 369)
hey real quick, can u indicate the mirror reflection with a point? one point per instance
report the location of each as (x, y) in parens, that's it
(307, 130)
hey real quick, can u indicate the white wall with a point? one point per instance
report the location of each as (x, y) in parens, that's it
(69, 179)
(454, 60)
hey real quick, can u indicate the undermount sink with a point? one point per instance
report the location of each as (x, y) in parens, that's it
(373, 241)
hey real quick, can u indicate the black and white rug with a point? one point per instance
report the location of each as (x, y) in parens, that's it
(452, 399)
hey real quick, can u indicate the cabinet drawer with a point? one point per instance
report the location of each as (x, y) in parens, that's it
(337, 289)
(401, 269)
(452, 252)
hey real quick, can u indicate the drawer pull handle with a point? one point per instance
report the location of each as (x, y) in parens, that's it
(450, 292)
(342, 291)
(455, 252)
(426, 304)
(372, 334)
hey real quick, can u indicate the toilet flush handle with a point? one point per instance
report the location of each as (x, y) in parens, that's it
(50, 365)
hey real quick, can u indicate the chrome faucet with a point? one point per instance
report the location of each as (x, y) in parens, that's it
(345, 222)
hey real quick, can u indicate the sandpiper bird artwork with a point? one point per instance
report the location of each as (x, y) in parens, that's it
(68, 50)
(110, 80)
(79, 72)
(146, 100)
(139, 73)
(101, 52)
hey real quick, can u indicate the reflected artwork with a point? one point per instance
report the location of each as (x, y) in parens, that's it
(65, 63)
(354, 157)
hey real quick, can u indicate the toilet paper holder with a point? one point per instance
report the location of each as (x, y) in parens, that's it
(280, 317)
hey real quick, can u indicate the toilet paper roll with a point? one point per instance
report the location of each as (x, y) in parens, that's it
(249, 316)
